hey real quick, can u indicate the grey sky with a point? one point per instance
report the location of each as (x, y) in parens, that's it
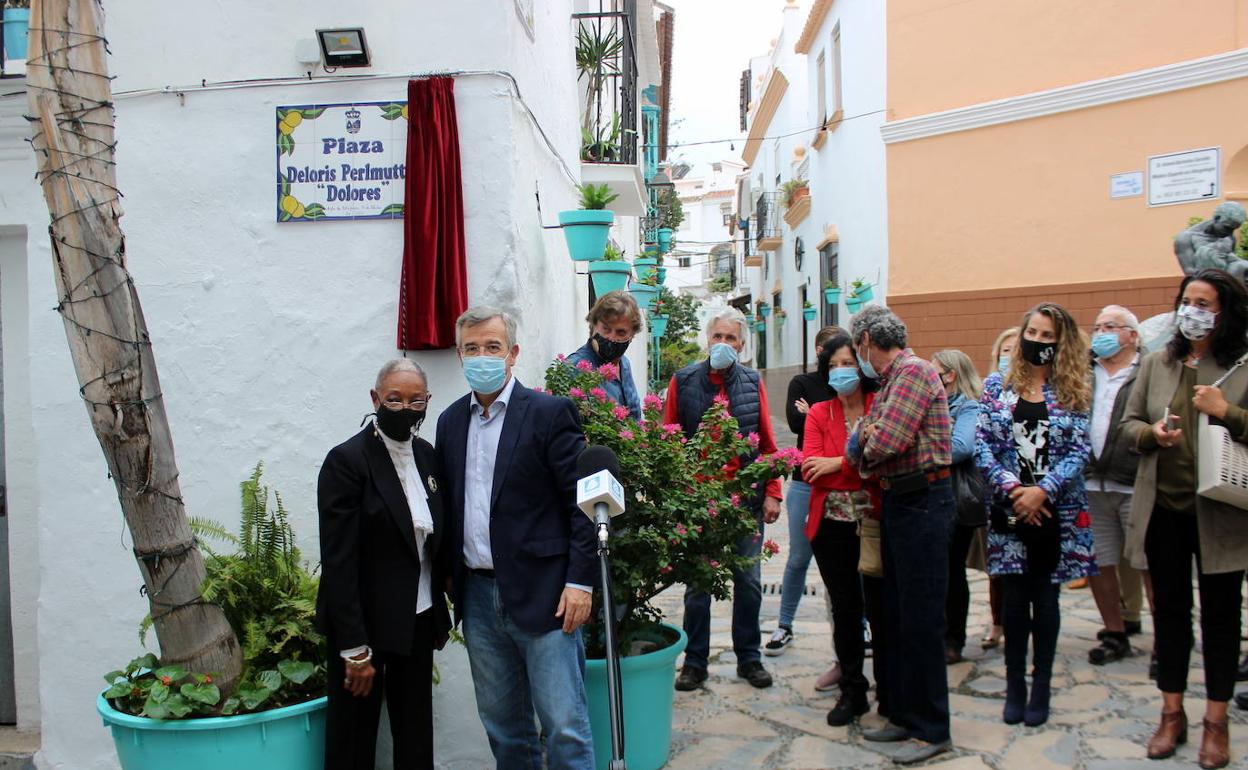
(713, 43)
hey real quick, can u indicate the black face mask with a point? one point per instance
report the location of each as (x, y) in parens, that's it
(399, 424)
(1038, 353)
(609, 350)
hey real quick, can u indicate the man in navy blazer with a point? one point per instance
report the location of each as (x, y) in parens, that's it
(524, 554)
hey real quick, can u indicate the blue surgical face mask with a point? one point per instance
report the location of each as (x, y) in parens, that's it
(485, 374)
(844, 379)
(865, 365)
(1003, 363)
(723, 355)
(1105, 344)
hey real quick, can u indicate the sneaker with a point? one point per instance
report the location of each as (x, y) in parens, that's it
(754, 673)
(829, 680)
(691, 677)
(916, 751)
(780, 641)
(849, 707)
(1114, 646)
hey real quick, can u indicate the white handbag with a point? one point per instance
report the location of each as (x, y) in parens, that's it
(1222, 462)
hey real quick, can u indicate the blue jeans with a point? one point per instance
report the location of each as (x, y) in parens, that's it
(797, 499)
(915, 544)
(747, 599)
(514, 672)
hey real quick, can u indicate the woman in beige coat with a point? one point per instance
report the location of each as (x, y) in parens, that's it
(1170, 523)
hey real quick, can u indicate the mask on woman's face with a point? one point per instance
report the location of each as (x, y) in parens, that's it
(1195, 323)
(1038, 353)
(1003, 364)
(844, 379)
(399, 424)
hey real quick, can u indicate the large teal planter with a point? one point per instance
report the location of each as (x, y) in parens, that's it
(586, 232)
(609, 276)
(665, 239)
(808, 313)
(661, 272)
(658, 326)
(647, 694)
(16, 25)
(853, 305)
(645, 294)
(290, 738)
(764, 310)
(832, 296)
(864, 293)
(645, 268)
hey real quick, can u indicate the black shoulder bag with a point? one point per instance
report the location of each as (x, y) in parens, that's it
(969, 491)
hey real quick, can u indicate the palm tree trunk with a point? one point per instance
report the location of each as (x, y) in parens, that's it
(72, 128)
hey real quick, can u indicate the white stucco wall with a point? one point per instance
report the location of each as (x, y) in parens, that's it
(267, 335)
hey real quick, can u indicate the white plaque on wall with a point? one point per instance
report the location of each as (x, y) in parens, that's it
(1128, 184)
(1183, 177)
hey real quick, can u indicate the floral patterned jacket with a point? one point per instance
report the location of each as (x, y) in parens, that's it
(1069, 446)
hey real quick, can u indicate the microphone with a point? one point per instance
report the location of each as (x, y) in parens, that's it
(598, 493)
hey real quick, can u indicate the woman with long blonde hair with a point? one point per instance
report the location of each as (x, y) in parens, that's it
(1032, 446)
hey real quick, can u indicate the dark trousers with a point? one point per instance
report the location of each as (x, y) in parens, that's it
(873, 593)
(1030, 615)
(915, 543)
(958, 601)
(407, 683)
(836, 548)
(747, 599)
(1170, 545)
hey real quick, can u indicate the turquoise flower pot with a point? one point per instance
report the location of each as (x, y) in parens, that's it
(864, 293)
(586, 232)
(289, 738)
(16, 26)
(665, 239)
(609, 276)
(760, 326)
(832, 296)
(662, 273)
(808, 313)
(645, 268)
(647, 695)
(658, 326)
(764, 310)
(853, 305)
(645, 294)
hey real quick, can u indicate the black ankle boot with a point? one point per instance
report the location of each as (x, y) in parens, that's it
(1038, 707)
(1015, 699)
(849, 707)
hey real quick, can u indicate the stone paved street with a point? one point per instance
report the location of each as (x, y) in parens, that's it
(1101, 716)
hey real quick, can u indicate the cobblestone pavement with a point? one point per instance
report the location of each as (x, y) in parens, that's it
(1101, 715)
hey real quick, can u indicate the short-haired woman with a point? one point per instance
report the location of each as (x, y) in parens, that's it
(963, 388)
(1032, 446)
(613, 322)
(1171, 524)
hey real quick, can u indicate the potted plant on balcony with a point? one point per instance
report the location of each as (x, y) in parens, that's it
(671, 214)
(793, 190)
(603, 144)
(860, 289)
(611, 273)
(681, 526)
(831, 292)
(16, 26)
(586, 229)
(645, 291)
(808, 310)
(167, 716)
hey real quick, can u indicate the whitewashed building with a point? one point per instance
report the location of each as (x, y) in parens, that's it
(814, 106)
(704, 244)
(268, 334)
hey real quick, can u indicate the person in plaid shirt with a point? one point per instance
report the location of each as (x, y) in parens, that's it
(904, 441)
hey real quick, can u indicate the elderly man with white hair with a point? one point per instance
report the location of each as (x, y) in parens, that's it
(689, 395)
(1111, 478)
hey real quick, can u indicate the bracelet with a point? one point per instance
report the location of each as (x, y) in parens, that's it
(361, 662)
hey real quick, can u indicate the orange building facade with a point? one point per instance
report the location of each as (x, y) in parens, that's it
(1051, 151)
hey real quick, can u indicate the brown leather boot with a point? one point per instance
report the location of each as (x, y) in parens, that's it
(1171, 733)
(1215, 748)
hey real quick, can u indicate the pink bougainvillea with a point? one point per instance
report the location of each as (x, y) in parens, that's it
(609, 371)
(620, 412)
(584, 366)
(600, 394)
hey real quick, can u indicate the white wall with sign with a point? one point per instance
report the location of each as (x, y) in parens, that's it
(341, 161)
(1183, 177)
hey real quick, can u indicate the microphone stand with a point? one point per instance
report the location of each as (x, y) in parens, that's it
(615, 700)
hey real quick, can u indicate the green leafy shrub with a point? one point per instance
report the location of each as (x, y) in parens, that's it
(595, 197)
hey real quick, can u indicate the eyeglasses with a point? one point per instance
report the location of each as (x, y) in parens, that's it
(492, 349)
(1109, 327)
(418, 403)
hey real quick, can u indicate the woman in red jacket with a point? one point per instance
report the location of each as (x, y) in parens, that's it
(839, 498)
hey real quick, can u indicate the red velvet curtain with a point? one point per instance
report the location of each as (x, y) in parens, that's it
(434, 289)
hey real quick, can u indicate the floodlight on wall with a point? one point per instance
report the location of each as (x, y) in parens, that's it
(343, 47)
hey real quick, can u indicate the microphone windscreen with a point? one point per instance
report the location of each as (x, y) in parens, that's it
(596, 457)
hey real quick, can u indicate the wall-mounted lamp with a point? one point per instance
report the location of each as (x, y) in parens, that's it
(661, 181)
(343, 47)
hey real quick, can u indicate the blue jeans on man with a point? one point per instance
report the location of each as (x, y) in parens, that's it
(747, 600)
(516, 673)
(915, 535)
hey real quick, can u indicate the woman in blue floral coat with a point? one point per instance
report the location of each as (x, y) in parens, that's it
(1032, 446)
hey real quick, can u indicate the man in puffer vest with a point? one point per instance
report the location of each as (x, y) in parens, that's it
(689, 395)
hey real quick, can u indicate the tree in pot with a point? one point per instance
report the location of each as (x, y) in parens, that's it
(682, 524)
(587, 229)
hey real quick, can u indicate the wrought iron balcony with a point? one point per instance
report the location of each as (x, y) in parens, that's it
(767, 221)
(606, 61)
